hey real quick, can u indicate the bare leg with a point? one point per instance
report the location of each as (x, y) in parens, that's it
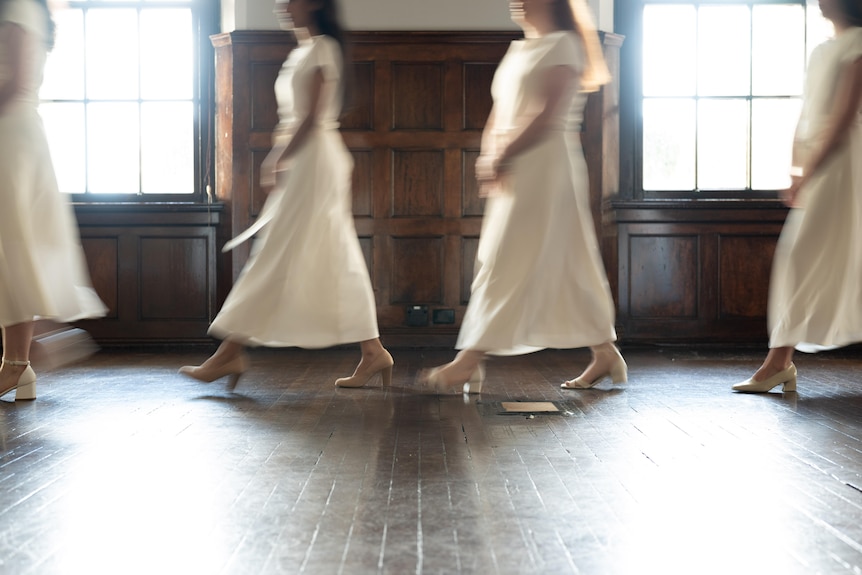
(16, 347)
(778, 359)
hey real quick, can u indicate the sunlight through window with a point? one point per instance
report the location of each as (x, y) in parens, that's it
(722, 88)
(118, 98)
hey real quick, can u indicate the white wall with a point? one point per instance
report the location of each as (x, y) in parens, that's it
(401, 14)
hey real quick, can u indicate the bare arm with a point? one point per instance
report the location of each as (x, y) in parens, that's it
(847, 103)
(282, 152)
(13, 39)
(556, 82)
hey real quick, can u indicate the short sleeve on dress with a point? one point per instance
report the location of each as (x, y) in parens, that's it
(327, 57)
(853, 50)
(25, 13)
(564, 49)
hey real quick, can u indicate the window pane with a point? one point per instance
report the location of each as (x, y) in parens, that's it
(113, 163)
(778, 58)
(772, 125)
(112, 54)
(166, 54)
(670, 50)
(64, 127)
(724, 51)
(64, 69)
(722, 144)
(167, 148)
(668, 151)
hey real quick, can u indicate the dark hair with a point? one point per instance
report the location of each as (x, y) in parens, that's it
(574, 16)
(852, 10)
(50, 28)
(328, 21)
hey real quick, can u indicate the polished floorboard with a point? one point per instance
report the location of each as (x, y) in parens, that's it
(122, 466)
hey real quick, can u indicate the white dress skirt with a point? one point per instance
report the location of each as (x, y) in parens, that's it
(539, 281)
(306, 283)
(43, 272)
(815, 297)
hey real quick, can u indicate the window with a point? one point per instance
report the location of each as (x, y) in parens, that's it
(121, 99)
(720, 93)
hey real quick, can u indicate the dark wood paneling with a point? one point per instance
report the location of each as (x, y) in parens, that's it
(469, 249)
(174, 278)
(477, 100)
(663, 276)
(363, 182)
(103, 262)
(417, 270)
(716, 292)
(745, 263)
(471, 203)
(417, 96)
(359, 114)
(264, 109)
(417, 183)
(154, 267)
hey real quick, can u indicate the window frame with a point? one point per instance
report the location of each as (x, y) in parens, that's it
(629, 23)
(205, 22)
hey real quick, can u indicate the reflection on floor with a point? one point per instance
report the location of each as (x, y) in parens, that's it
(121, 466)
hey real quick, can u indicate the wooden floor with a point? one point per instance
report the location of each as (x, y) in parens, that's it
(121, 466)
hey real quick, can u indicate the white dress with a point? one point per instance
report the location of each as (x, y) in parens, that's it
(306, 283)
(539, 280)
(42, 266)
(815, 297)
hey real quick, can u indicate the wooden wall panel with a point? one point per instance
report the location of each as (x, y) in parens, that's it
(695, 271)
(264, 109)
(471, 203)
(477, 100)
(363, 182)
(417, 270)
(417, 185)
(745, 265)
(155, 268)
(174, 278)
(663, 276)
(469, 249)
(102, 255)
(359, 113)
(417, 96)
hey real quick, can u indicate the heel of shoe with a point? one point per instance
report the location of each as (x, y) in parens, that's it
(26, 392)
(233, 380)
(619, 372)
(386, 375)
(789, 385)
(26, 389)
(477, 378)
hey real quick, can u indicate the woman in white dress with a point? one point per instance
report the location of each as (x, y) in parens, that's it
(42, 266)
(306, 283)
(815, 297)
(540, 281)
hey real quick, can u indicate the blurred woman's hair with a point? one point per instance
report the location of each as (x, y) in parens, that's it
(852, 10)
(575, 15)
(50, 28)
(327, 18)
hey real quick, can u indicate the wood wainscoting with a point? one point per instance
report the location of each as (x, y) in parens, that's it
(695, 270)
(421, 101)
(154, 266)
